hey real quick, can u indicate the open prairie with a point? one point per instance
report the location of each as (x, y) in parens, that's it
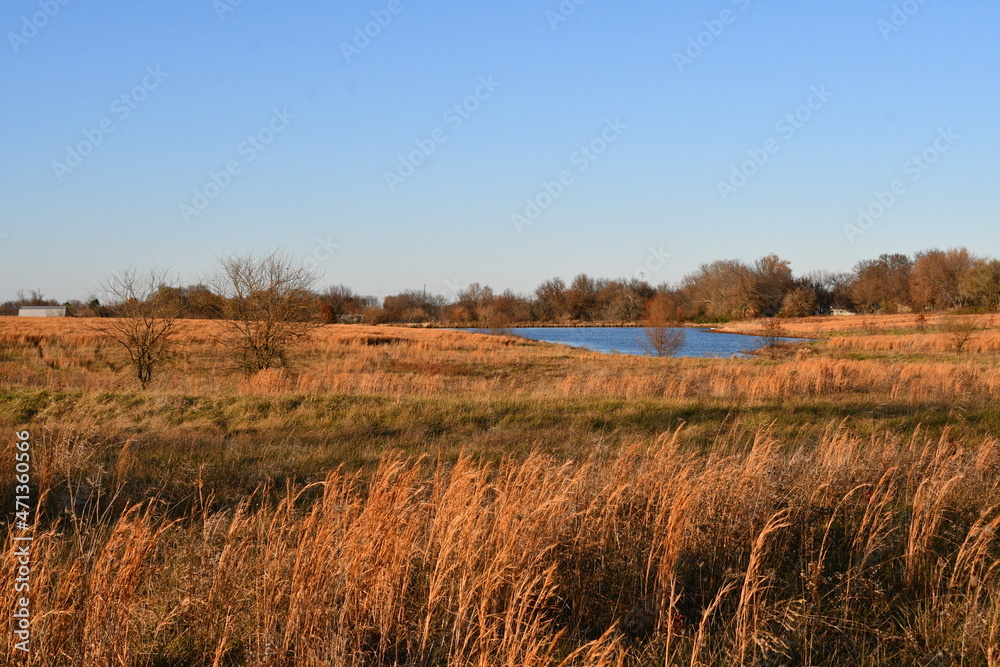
(403, 496)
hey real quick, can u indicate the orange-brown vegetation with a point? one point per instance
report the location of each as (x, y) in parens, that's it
(69, 355)
(856, 551)
(426, 497)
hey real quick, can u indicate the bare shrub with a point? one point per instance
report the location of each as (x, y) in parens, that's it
(143, 318)
(960, 331)
(663, 337)
(268, 307)
(772, 336)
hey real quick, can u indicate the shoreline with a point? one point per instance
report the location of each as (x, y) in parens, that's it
(582, 325)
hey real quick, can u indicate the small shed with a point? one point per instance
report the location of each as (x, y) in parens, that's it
(43, 311)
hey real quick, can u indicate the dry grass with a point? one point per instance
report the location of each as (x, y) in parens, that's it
(861, 552)
(68, 355)
(801, 517)
(821, 326)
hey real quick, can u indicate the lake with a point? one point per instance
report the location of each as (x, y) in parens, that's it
(629, 340)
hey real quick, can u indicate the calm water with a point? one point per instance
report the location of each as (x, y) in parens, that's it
(698, 343)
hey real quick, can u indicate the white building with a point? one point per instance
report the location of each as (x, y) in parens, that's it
(43, 311)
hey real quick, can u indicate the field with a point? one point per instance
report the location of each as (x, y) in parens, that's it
(406, 496)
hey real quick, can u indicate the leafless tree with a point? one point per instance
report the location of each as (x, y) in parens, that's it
(268, 305)
(662, 335)
(772, 335)
(960, 330)
(34, 298)
(142, 319)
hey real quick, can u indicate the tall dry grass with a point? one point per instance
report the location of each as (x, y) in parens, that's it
(823, 325)
(876, 551)
(69, 356)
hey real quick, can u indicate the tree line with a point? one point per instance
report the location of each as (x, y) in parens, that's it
(724, 290)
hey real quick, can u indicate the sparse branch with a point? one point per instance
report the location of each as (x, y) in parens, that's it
(268, 305)
(960, 330)
(663, 337)
(772, 336)
(142, 318)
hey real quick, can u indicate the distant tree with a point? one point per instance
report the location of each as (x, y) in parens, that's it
(838, 287)
(506, 311)
(722, 290)
(772, 280)
(550, 300)
(830, 290)
(936, 277)
(374, 315)
(474, 302)
(413, 306)
(201, 302)
(581, 297)
(268, 306)
(980, 284)
(34, 298)
(142, 318)
(800, 302)
(337, 302)
(624, 301)
(882, 285)
(662, 335)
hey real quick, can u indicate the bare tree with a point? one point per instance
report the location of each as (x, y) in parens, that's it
(772, 335)
(663, 337)
(34, 298)
(960, 330)
(142, 318)
(268, 305)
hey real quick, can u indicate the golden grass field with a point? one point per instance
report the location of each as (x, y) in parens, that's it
(406, 496)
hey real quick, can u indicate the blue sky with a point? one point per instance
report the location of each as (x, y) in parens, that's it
(310, 130)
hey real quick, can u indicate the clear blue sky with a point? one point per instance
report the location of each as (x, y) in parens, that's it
(322, 180)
